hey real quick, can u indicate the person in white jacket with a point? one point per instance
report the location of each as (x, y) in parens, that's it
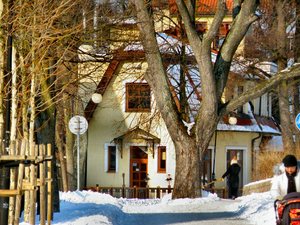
(287, 182)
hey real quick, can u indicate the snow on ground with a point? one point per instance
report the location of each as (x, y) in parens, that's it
(92, 208)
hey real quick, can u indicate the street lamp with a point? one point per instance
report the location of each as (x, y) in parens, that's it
(169, 179)
(232, 120)
(96, 98)
(78, 125)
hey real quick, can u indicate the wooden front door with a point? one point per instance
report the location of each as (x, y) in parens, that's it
(138, 167)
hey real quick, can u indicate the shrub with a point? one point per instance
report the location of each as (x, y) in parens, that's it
(266, 161)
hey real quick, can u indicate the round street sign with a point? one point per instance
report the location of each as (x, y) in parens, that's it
(297, 121)
(78, 125)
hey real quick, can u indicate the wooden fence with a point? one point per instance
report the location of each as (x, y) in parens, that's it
(143, 192)
(37, 180)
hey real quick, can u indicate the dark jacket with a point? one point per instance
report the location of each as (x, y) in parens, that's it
(232, 175)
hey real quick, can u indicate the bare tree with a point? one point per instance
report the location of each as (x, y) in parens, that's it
(275, 39)
(190, 148)
(45, 39)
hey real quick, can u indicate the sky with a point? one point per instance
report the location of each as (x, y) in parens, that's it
(92, 208)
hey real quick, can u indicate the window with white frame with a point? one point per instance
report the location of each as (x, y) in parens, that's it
(111, 158)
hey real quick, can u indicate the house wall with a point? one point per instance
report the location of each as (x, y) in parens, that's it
(234, 141)
(110, 121)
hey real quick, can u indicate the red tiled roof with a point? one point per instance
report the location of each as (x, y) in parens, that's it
(208, 7)
(204, 7)
(266, 121)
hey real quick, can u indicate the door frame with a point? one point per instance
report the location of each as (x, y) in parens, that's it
(245, 161)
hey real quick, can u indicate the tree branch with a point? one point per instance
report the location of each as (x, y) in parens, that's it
(262, 88)
(234, 37)
(217, 21)
(188, 22)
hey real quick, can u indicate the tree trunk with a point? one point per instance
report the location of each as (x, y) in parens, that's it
(1, 88)
(69, 150)
(189, 148)
(187, 176)
(60, 147)
(296, 110)
(13, 133)
(297, 59)
(283, 89)
(285, 120)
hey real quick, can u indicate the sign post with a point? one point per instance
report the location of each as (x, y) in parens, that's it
(78, 125)
(297, 121)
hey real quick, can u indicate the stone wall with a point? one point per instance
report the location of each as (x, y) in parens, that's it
(257, 187)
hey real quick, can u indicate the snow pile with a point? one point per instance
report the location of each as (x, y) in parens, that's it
(91, 208)
(258, 208)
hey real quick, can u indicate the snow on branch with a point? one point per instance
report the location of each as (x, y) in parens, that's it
(189, 126)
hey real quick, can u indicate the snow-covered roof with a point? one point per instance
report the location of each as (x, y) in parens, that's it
(254, 123)
(171, 45)
(248, 128)
(166, 43)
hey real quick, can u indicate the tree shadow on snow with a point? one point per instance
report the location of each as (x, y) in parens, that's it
(169, 218)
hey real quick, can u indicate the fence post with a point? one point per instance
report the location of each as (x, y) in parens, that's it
(169, 189)
(42, 151)
(134, 191)
(33, 182)
(19, 185)
(158, 192)
(123, 191)
(123, 185)
(147, 191)
(49, 187)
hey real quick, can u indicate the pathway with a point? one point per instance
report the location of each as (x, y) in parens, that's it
(213, 213)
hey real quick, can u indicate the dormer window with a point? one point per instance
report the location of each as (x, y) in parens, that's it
(138, 97)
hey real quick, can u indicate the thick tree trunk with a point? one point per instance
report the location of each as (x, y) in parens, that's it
(187, 165)
(187, 176)
(1, 88)
(60, 147)
(285, 120)
(283, 89)
(297, 59)
(69, 152)
(213, 82)
(296, 110)
(46, 135)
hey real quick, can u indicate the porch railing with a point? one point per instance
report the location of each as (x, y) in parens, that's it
(144, 192)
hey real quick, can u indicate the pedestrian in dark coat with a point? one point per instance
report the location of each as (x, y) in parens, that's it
(232, 175)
